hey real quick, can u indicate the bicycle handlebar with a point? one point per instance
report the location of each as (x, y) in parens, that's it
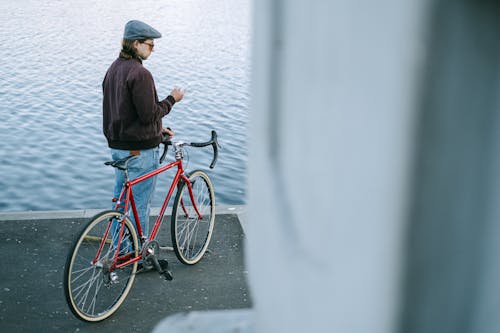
(213, 141)
(215, 146)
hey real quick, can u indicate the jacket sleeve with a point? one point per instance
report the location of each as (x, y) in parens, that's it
(145, 98)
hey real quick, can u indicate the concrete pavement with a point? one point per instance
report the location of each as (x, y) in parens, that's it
(34, 250)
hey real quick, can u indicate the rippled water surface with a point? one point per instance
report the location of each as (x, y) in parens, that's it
(55, 55)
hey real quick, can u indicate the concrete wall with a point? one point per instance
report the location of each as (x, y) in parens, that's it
(374, 155)
(452, 273)
(334, 88)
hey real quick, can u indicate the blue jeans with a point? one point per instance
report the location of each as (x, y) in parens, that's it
(147, 161)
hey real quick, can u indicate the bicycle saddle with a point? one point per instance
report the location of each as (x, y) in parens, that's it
(121, 163)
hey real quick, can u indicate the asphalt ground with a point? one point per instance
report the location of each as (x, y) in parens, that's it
(31, 284)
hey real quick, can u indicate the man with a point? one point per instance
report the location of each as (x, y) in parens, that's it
(132, 113)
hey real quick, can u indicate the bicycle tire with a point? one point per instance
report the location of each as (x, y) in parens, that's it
(90, 291)
(190, 235)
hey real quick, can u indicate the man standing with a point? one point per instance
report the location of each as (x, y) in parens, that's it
(132, 113)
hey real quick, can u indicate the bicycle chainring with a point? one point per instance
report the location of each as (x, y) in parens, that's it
(150, 248)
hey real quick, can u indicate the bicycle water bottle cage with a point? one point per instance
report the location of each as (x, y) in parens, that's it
(121, 163)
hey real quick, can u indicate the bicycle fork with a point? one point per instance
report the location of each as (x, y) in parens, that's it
(189, 185)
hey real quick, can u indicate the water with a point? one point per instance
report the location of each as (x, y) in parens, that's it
(55, 55)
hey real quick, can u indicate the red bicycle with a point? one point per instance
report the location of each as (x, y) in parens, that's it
(102, 264)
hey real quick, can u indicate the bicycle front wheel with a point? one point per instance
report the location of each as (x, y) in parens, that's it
(193, 221)
(94, 287)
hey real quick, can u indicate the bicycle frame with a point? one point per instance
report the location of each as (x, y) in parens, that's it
(111, 249)
(126, 201)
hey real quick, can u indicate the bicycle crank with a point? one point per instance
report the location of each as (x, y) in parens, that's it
(161, 266)
(149, 256)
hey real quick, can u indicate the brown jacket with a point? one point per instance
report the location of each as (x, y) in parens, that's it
(130, 108)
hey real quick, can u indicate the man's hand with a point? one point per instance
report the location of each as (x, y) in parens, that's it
(168, 131)
(177, 94)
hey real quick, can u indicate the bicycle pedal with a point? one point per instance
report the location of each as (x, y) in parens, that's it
(164, 270)
(168, 275)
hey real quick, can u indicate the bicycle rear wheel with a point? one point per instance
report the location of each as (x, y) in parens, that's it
(190, 233)
(94, 289)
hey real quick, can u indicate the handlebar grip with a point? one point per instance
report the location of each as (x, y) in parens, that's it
(166, 143)
(215, 146)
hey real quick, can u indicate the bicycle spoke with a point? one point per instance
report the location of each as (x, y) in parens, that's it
(91, 262)
(190, 233)
(82, 287)
(190, 238)
(185, 238)
(86, 287)
(94, 299)
(82, 271)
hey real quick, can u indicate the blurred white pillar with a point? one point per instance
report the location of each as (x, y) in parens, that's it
(333, 89)
(330, 146)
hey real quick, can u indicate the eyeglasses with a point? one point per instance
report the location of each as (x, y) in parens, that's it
(151, 45)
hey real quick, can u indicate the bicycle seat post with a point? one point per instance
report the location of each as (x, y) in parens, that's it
(126, 175)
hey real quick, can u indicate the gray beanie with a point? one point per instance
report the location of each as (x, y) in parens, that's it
(139, 30)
